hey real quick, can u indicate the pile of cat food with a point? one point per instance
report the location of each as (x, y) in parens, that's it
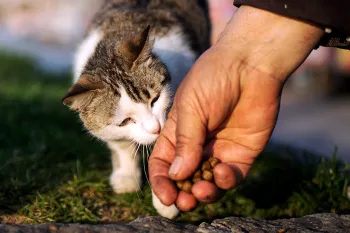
(205, 172)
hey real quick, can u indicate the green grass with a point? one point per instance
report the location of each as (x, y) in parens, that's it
(51, 170)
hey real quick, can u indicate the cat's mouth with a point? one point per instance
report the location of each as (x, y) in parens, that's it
(147, 139)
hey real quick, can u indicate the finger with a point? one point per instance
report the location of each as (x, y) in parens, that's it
(186, 202)
(162, 186)
(206, 192)
(227, 176)
(190, 137)
(159, 163)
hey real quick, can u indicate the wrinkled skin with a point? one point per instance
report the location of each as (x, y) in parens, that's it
(227, 105)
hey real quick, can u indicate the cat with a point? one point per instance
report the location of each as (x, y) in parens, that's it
(126, 70)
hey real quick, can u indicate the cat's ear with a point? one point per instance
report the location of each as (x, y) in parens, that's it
(136, 48)
(81, 93)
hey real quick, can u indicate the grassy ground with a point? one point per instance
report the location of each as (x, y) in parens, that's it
(51, 170)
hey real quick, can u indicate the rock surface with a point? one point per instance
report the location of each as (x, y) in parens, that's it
(324, 223)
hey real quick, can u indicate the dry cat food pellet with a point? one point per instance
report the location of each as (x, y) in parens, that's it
(197, 176)
(206, 165)
(213, 162)
(180, 184)
(205, 172)
(208, 175)
(187, 186)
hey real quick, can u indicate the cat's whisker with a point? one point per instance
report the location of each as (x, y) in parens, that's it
(144, 163)
(151, 148)
(134, 159)
(148, 153)
(134, 153)
(132, 143)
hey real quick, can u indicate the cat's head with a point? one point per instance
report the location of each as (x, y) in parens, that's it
(123, 91)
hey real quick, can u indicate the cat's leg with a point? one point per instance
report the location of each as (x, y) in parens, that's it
(126, 175)
(163, 210)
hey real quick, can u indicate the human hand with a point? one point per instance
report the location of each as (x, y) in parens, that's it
(227, 105)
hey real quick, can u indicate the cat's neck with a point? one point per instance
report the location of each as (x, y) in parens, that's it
(175, 52)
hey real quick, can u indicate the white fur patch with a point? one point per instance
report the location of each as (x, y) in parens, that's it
(85, 51)
(163, 210)
(174, 50)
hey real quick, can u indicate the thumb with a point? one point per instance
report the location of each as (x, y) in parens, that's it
(190, 138)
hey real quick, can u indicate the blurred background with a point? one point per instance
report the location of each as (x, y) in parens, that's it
(315, 112)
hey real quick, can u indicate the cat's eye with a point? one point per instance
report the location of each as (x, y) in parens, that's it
(126, 121)
(154, 100)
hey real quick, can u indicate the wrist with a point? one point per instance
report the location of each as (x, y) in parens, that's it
(270, 43)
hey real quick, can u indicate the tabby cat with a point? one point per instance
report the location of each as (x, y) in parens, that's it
(135, 54)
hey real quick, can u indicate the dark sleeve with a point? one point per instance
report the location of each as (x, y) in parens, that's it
(331, 15)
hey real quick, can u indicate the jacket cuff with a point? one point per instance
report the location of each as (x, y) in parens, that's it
(331, 16)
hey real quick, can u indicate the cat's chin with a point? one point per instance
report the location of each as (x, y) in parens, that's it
(140, 139)
(146, 140)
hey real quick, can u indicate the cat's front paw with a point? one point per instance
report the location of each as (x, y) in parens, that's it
(124, 182)
(169, 212)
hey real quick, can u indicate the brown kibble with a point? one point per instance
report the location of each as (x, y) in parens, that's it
(187, 186)
(180, 184)
(198, 174)
(213, 161)
(196, 179)
(208, 175)
(206, 166)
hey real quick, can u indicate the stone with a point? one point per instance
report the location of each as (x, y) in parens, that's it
(317, 223)
(312, 223)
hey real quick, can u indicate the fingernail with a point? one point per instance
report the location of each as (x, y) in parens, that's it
(175, 166)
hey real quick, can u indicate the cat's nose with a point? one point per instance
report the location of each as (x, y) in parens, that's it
(151, 126)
